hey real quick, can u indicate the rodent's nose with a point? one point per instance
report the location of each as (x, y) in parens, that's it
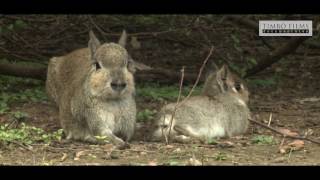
(118, 86)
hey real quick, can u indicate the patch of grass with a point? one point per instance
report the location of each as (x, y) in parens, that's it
(103, 139)
(211, 141)
(27, 134)
(161, 93)
(3, 106)
(221, 156)
(19, 116)
(15, 26)
(15, 89)
(145, 115)
(262, 139)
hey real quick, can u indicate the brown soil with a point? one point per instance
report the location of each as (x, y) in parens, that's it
(291, 105)
(294, 104)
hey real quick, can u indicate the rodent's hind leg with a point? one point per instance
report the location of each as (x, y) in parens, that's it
(182, 139)
(186, 134)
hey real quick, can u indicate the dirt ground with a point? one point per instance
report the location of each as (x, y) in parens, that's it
(294, 106)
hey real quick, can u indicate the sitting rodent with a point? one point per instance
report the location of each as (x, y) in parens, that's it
(94, 90)
(220, 111)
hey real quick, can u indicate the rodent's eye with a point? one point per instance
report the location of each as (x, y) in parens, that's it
(238, 86)
(97, 65)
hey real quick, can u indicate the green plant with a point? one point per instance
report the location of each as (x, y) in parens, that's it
(103, 139)
(16, 25)
(11, 91)
(212, 141)
(145, 115)
(18, 115)
(221, 156)
(262, 139)
(27, 134)
(3, 107)
(236, 42)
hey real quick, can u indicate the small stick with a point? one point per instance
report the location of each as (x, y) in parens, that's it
(190, 92)
(164, 134)
(21, 145)
(199, 75)
(176, 106)
(279, 132)
(270, 118)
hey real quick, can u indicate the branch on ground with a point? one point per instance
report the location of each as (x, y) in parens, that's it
(19, 70)
(144, 73)
(276, 55)
(283, 134)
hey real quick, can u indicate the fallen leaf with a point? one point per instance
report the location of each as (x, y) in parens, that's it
(284, 149)
(108, 147)
(287, 132)
(64, 157)
(293, 146)
(78, 154)
(169, 146)
(297, 144)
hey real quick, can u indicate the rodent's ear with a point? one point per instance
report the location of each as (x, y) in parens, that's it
(223, 77)
(93, 43)
(131, 65)
(123, 39)
(212, 68)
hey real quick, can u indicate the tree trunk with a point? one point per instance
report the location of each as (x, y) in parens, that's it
(23, 71)
(161, 76)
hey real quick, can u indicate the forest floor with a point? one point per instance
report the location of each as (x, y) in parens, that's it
(294, 105)
(286, 95)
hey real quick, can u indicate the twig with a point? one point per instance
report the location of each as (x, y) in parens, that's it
(199, 75)
(21, 145)
(282, 142)
(176, 106)
(190, 92)
(284, 135)
(270, 119)
(95, 25)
